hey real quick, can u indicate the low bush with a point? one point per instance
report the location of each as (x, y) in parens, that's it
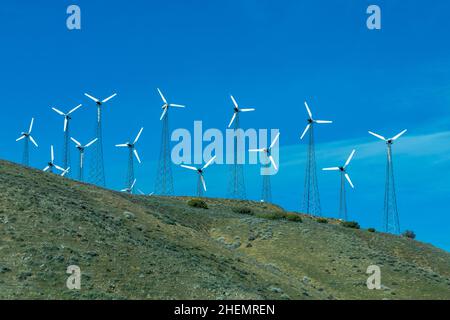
(351, 224)
(197, 203)
(293, 217)
(270, 216)
(322, 220)
(243, 210)
(371, 230)
(409, 234)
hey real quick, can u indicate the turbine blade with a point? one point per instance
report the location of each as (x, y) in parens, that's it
(20, 138)
(132, 185)
(306, 130)
(65, 124)
(349, 181)
(109, 98)
(59, 168)
(377, 135)
(33, 141)
(247, 110)
(322, 121)
(234, 102)
(331, 169)
(52, 154)
(91, 143)
(273, 162)
(275, 141)
(141, 192)
(46, 168)
(137, 155)
(256, 150)
(399, 135)
(232, 120)
(138, 135)
(91, 97)
(203, 182)
(177, 105)
(162, 96)
(31, 125)
(163, 114)
(75, 109)
(59, 112)
(189, 167)
(122, 145)
(209, 162)
(75, 141)
(349, 159)
(81, 160)
(308, 110)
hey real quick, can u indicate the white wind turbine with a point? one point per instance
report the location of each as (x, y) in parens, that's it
(391, 221)
(27, 136)
(311, 121)
(167, 105)
(132, 152)
(130, 188)
(67, 116)
(344, 176)
(99, 103)
(237, 110)
(82, 148)
(51, 164)
(268, 151)
(201, 184)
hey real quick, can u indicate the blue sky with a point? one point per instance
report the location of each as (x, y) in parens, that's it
(272, 55)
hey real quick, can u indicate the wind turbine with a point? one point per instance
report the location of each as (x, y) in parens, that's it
(237, 110)
(311, 198)
(344, 176)
(144, 194)
(130, 188)
(164, 179)
(98, 166)
(67, 118)
(267, 190)
(132, 151)
(26, 137)
(51, 164)
(236, 188)
(201, 184)
(167, 105)
(82, 150)
(391, 221)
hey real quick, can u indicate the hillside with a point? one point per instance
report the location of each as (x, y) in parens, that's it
(136, 247)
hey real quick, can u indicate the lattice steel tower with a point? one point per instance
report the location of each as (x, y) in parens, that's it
(97, 168)
(342, 195)
(132, 153)
(311, 199)
(391, 221)
(66, 139)
(164, 179)
(236, 186)
(26, 137)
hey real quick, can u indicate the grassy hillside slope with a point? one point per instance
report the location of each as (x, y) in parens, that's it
(136, 247)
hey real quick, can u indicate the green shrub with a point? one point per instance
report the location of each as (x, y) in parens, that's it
(293, 217)
(270, 216)
(371, 230)
(197, 203)
(243, 210)
(409, 234)
(322, 220)
(351, 224)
